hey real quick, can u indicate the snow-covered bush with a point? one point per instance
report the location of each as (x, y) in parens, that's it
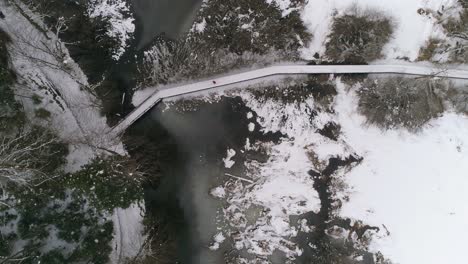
(322, 89)
(171, 61)
(401, 102)
(458, 98)
(358, 36)
(116, 14)
(250, 26)
(457, 29)
(227, 35)
(293, 91)
(432, 47)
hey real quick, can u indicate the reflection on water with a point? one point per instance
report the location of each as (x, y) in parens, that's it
(199, 139)
(171, 17)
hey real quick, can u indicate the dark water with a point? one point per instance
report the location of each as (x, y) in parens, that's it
(191, 165)
(171, 17)
(152, 19)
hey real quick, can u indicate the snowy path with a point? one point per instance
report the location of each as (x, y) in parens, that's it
(282, 70)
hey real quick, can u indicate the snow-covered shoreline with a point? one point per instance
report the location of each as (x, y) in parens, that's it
(411, 185)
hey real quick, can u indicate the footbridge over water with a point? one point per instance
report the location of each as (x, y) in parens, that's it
(158, 96)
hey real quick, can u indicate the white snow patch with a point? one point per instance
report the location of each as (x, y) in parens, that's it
(218, 192)
(128, 232)
(218, 239)
(247, 145)
(286, 187)
(228, 162)
(251, 127)
(284, 5)
(414, 185)
(199, 27)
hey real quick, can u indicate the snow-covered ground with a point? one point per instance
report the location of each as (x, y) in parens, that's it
(413, 185)
(410, 185)
(260, 203)
(412, 30)
(282, 185)
(128, 233)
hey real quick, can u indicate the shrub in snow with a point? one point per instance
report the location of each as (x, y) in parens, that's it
(431, 48)
(296, 92)
(323, 90)
(119, 19)
(401, 102)
(250, 25)
(358, 37)
(226, 35)
(42, 113)
(457, 28)
(458, 99)
(170, 61)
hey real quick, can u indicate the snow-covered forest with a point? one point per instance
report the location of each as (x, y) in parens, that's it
(328, 169)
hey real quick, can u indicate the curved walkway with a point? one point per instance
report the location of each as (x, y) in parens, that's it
(282, 70)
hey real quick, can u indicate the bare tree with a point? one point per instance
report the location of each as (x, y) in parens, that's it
(25, 158)
(41, 44)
